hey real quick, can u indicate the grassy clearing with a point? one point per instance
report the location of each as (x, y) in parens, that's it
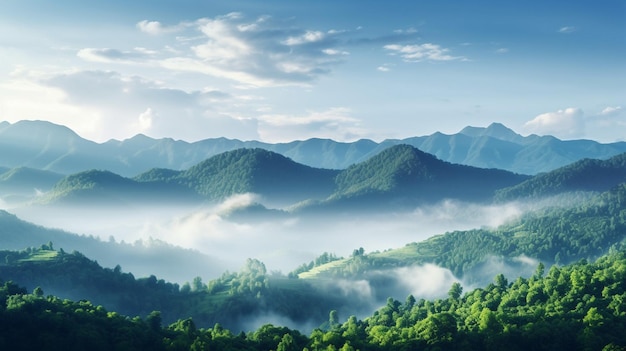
(313, 273)
(41, 255)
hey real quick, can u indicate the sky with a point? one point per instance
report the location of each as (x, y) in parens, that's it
(278, 71)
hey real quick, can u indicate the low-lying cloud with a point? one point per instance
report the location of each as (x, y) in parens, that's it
(282, 242)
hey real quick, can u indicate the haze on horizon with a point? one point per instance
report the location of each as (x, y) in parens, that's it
(288, 71)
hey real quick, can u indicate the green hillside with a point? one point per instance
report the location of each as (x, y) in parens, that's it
(273, 176)
(584, 175)
(403, 174)
(576, 307)
(553, 235)
(104, 187)
(257, 171)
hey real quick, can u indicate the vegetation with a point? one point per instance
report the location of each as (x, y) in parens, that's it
(583, 175)
(402, 174)
(576, 307)
(552, 235)
(256, 171)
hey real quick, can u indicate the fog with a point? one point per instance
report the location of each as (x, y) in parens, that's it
(282, 242)
(150, 238)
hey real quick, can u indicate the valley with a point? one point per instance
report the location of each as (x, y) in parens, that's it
(249, 237)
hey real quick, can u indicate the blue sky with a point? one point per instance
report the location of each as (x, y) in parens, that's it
(285, 70)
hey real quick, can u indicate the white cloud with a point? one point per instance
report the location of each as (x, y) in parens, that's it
(146, 118)
(335, 52)
(427, 281)
(502, 51)
(383, 68)
(423, 52)
(567, 29)
(334, 123)
(16, 103)
(107, 55)
(157, 28)
(257, 53)
(117, 108)
(565, 123)
(307, 37)
(611, 111)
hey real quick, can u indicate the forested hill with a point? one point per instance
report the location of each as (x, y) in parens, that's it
(552, 235)
(278, 179)
(405, 175)
(399, 176)
(257, 171)
(577, 307)
(104, 187)
(584, 175)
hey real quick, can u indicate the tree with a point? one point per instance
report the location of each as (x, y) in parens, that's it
(287, 343)
(455, 291)
(38, 292)
(197, 284)
(539, 271)
(154, 321)
(501, 282)
(333, 319)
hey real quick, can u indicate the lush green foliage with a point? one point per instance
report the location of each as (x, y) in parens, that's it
(257, 171)
(231, 300)
(556, 234)
(583, 175)
(235, 172)
(405, 174)
(577, 307)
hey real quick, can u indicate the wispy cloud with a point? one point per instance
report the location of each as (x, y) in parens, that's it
(611, 111)
(335, 123)
(114, 103)
(254, 53)
(108, 55)
(157, 28)
(422, 52)
(567, 29)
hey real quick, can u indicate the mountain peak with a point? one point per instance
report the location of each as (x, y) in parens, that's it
(494, 130)
(38, 129)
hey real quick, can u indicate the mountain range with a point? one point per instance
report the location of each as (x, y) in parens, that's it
(399, 176)
(46, 146)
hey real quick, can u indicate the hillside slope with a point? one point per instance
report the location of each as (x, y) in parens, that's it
(584, 175)
(405, 176)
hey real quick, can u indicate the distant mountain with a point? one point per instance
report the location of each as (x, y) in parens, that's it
(25, 182)
(499, 147)
(47, 146)
(583, 175)
(104, 187)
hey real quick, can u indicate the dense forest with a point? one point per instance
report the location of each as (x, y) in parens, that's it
(574, 307)
(554, 234)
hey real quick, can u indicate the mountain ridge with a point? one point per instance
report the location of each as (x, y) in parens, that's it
(47, 146)
(401, 175)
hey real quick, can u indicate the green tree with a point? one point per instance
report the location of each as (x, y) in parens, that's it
(287, 343)
(455, 291)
